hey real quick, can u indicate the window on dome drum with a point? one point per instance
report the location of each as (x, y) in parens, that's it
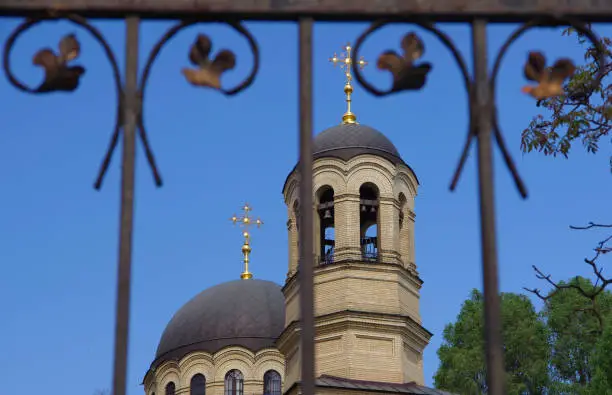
(368, 221)
(325, 208)
(272, 383)
(296, 214)
(197, 385)
(170, 388)
(234, 383)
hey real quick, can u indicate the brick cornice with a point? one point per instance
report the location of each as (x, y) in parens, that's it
(403, 325)
(357, 266)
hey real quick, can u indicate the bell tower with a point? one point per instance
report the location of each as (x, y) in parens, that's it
(366, 284)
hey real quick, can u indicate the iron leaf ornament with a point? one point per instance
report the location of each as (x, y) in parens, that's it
(59, 75)
(406, 74)
(549, 80)
(208, 73)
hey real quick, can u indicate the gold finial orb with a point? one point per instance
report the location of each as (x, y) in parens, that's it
(245, 221)
(346, 64)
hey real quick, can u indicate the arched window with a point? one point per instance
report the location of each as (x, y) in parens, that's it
(272, 383)
(197, 385)
(170, 388)
(368, 220)
(325, 208)
(402, 204)
(234, 383)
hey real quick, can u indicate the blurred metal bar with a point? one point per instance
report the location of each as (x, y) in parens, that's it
(130, 114)
(483, 116)
(441, 10)
(306, 269)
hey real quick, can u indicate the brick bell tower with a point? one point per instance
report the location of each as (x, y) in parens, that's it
(366, 284)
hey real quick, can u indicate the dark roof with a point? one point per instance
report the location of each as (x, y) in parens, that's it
(346, 141)
(376, 386)
(247, 313)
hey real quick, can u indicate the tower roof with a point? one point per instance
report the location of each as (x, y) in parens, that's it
(250, 314)
(348, 140)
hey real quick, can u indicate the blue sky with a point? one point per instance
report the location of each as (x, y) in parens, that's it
(59, 237)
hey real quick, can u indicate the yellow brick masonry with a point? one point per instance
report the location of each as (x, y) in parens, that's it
(374, 343)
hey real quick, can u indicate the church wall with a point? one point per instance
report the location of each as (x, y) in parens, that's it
(375, 356)
(335, 391)
(409, 302)
(389, 228)
(292, 229)
(405, 185)
(362, 347)
(214, 367)
(359, 286)
(346, 178)
(413, 364)
(347, 231)
(330, 354)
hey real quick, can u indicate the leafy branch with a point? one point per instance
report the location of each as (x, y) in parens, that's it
(583, 114)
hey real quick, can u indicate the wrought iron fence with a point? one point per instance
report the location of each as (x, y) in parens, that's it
(130, 87)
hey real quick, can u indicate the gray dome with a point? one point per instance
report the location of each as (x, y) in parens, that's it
(247, 313)
(346, 141)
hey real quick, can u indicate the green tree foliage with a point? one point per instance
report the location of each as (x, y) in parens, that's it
(577, 312)
(462, 355)
(566, 349)
(583, 115)
(601, 383)
(576, 315)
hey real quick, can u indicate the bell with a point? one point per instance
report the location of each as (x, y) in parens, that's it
(363, 208)
(327, 214)
(373, 209)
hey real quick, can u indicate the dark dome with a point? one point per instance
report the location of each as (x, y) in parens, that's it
(346, 141)
(247, 313)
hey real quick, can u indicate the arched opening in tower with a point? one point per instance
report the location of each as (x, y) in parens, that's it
(403, 238)
(327, 237)
(368, 221)
(294, 237)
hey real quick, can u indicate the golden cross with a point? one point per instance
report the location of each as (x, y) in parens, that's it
(246, 222)
(346, 62)
(346, 65)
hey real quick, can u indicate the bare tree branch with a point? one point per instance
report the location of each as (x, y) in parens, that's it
(600, 284)
(590, 225)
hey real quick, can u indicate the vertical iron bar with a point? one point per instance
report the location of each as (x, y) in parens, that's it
(129, 111)
(483, 118)
(306, 270)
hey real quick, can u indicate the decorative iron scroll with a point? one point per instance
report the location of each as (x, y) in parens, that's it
(408, 74)
(440, 10)
(61, 75)
(408, 70)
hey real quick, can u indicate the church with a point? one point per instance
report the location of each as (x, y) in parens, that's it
(242, 337)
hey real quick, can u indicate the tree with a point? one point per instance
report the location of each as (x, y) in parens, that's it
(578, 311)
(602, 362)
(584, 114)
(462, 365)
(576, 327)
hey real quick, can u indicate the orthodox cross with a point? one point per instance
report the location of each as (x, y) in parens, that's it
(245, 222)
(346, 65)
